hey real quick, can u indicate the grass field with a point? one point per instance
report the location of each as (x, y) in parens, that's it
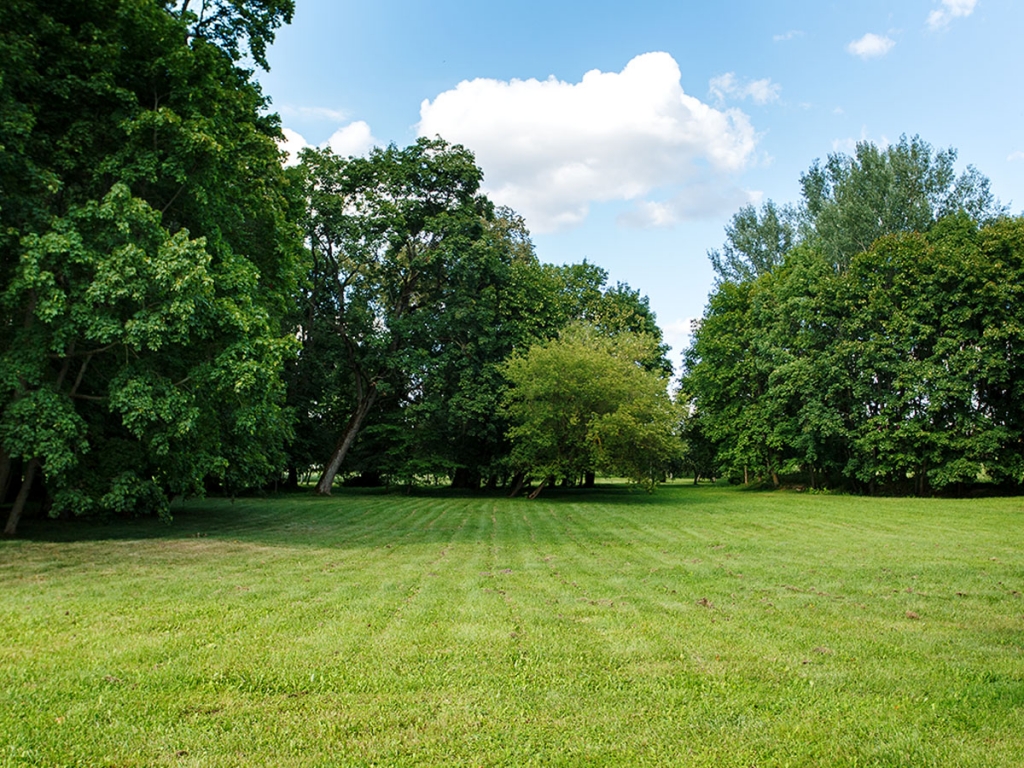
(696, 626)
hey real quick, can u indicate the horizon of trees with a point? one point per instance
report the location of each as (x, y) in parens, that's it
(180, 314)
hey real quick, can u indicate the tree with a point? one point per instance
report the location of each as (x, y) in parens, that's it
(384, 233)
(850, 202)
(237, 27)
(726, 378)
(585, 401)
(496, 297)
(755, 242)
(857, 355)
(936, 327)
(699, 453)
(897, 374)
(147, 257)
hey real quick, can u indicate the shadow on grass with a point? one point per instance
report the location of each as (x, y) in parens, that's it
(377, 515)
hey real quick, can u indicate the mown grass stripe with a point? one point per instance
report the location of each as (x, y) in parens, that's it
(701, 626)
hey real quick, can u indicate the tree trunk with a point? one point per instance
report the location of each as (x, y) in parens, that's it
(517, 484)
(539, 488)
(589, 479)
(5, 473)
(746, 476)
(323, 487)
(19, 503)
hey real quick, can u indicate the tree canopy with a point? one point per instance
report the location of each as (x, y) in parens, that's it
(417, 293)
(586, 401)
(146, 255)
(850, 201)
(881, 351)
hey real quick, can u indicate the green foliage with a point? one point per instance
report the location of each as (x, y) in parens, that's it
(867, 339)
(850, 202)
(584, 401)
(238, 27)
(417, 292)
(756, 243)
(147, 256)
(899, 372)
(386, 233)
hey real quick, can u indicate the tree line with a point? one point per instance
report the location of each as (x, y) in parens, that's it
(180, 313)
(870, 338)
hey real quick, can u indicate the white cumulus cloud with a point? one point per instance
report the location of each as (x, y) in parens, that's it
(293, 143)
(354, 139)
(550, 148)
(698, 199)
(871, 46)
(950, 9)
(728, 85)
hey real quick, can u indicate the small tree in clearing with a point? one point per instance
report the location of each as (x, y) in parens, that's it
(583, 402)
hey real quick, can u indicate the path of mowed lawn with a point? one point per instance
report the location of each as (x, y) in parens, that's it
(695, 626)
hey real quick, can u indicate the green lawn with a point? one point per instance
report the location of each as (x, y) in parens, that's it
(695, 626)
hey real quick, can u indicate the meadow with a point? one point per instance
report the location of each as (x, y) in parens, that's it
(696, 626)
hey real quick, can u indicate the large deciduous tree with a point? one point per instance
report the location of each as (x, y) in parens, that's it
(852, 200)
(146, 256)
(385, 233)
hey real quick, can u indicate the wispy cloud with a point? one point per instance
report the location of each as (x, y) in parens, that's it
(314, 113)
(871, 46)
(950, 9)
(728, 85)
(848, 146)
(551, 148)
(786, 36)
(1013, 157)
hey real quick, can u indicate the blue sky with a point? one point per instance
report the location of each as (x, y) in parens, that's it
(628, 134)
